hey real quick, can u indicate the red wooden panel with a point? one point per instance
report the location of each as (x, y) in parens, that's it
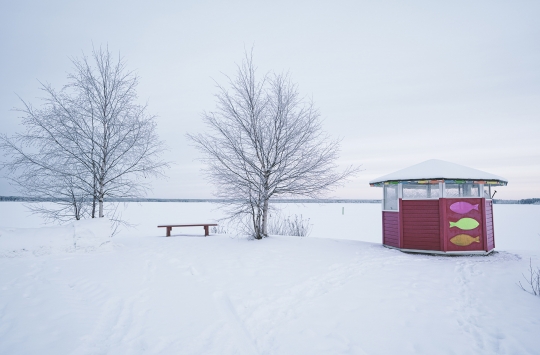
(421, 214)
(424, 203)
(490, 235)
(423, 217)
(421, 224)
(391, 242)
(477, 214)
(391, 228)
(391, 223)
(412, 224)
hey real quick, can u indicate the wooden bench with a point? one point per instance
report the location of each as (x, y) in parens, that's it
(204, 225)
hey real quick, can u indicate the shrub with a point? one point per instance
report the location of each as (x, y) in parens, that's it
(219, 229)
(290, 225)
(533, 280)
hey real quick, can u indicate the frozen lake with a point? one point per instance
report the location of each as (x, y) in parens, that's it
(517, 227)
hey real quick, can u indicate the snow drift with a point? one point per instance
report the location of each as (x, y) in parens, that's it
(85, 235)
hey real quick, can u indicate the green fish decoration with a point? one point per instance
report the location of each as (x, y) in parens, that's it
(465, 224)
(464, 240)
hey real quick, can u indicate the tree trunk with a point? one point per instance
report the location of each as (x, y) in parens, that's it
(76, 210)
(94, 194)
(265, 218)
(101, 215)
(100, 199)
(256, 219)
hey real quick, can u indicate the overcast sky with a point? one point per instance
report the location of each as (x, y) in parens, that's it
(399, 82)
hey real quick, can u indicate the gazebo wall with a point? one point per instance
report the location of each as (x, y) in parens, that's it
(430, 225)
(421, 224)
(391, 229)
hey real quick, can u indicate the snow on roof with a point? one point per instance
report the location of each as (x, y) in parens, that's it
(438, 169)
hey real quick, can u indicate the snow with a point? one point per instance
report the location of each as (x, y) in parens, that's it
(337, 291)
(437, 169)
(78, 236)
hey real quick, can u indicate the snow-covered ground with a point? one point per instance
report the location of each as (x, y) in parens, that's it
(336, 292)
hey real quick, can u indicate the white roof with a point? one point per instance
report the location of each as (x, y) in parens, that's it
(438, 169)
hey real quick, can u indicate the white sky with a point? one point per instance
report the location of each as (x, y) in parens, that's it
(399, 82)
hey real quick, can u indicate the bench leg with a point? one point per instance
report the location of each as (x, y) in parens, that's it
(169, 231)
(206, 234)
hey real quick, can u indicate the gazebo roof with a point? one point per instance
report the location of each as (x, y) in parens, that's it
(439, 170)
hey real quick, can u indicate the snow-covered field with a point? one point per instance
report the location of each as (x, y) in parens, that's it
(337, 291)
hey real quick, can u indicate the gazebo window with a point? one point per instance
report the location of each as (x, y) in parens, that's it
(390, 198)
(462, 190)
(487, 191)
(421, 191)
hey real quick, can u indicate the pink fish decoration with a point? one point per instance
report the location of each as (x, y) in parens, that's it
(463, 207)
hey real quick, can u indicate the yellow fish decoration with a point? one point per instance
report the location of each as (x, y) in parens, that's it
(463, 240)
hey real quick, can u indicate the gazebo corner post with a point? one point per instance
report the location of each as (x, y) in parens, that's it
(442, 216)
(442, 226)
(382, 227)
(400, 223)
(484, 226)
(492, 221)
(400, 215)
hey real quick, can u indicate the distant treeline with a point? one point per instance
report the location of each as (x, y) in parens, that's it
(526, 201)
(26, 199)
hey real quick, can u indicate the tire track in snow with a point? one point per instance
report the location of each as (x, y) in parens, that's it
(228, 333)
(117, 329)
(243, 338)
(252, 329)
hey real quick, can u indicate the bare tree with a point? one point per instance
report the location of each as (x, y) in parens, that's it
(88, 141)
(264, 140)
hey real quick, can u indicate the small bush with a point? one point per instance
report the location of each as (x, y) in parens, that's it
(533, 280)
(219, 229)
(291, 225)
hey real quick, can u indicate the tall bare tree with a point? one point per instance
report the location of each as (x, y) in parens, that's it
(89, 141)
(263, 141)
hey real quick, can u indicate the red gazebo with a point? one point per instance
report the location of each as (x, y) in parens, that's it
(438, 207)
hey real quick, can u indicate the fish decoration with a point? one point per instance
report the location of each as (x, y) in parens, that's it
(463, 207)
(464, 240)
(465, 224)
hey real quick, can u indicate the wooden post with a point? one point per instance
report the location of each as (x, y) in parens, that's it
(206, 231)
(400, 222)
(442, 225)
(169, 231)
(484, 224)
(492, 222)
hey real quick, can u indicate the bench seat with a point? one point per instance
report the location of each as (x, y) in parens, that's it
(204, 225)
